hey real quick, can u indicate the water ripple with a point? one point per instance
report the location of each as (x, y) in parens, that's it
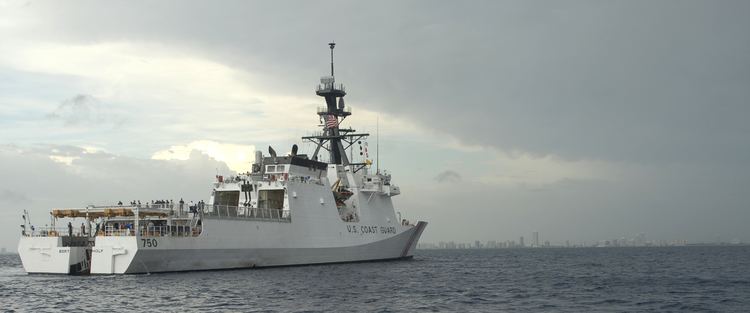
(565, 280)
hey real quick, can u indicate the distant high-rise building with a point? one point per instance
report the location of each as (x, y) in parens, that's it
(3, 251)
(520, 242)
(535, 242)
(640, 239)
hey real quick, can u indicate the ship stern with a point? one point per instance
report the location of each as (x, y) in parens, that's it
(113, 254)
(49, 255)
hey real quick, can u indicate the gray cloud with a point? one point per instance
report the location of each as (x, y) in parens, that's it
(84, 110)
(632, 81)
(13, 197)
(448, 176)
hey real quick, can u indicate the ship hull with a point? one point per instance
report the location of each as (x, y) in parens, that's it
(48, 255)
(126, 255)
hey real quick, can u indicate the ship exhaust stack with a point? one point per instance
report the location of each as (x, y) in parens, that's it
(258, 164)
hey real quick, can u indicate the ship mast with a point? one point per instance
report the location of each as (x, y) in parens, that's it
(333, 139)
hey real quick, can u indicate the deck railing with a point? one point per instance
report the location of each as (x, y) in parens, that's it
(173, 231)
(112, 231)
(228, 211)
(155, 231)
(326, 87)
(50, 231)
(142, 205)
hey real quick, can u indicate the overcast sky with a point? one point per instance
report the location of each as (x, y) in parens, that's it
(582, 120)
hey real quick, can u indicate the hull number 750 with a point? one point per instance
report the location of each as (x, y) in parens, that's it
(149, 243)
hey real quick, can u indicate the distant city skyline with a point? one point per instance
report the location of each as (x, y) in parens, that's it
(638, 240)
(597, 244)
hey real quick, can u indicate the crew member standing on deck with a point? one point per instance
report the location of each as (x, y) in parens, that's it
(182, 204)
(70, 229)
(83, 230)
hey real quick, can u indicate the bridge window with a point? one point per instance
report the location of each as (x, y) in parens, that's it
(230, 198)
(271, 199)
(275, 168)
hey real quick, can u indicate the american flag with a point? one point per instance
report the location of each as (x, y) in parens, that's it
(331, 121)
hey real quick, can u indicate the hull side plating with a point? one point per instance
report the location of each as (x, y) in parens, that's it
(184, 254)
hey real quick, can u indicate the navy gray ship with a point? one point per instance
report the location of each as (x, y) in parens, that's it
(293, 209)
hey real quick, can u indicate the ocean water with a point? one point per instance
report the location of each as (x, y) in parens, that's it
(676, 279)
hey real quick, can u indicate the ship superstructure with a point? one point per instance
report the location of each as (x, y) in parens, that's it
(288, 210)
